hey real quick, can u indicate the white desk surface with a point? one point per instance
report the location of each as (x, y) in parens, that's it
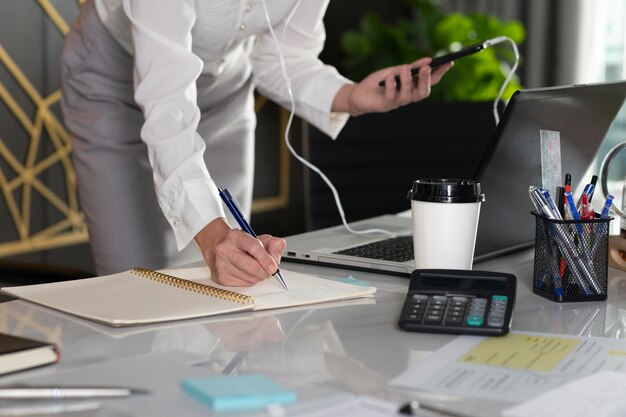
(351, 348)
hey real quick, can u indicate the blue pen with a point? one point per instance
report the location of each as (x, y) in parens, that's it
(604, 214)
(607, 206)
(574, 212)
(243, 223)
(555, 211)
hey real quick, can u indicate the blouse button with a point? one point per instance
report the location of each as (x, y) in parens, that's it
(242, 27)
(177, 222)
(248, 7)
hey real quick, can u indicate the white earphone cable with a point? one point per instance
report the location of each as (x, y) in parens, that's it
(509, 76)
(306, 163)
(283, 68)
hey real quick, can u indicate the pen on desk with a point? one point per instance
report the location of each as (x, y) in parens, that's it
(58, 393)
(412, 408)
(243, 223)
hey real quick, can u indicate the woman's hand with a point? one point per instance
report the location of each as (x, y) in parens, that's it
(368, 96)
(235, 258)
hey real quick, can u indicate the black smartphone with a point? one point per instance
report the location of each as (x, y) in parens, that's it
(443, 59)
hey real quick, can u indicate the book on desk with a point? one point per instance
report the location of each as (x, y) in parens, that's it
(140, 296)
(18, 353)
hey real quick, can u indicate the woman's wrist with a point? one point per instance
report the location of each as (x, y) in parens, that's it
(209, 236)
(342, 101)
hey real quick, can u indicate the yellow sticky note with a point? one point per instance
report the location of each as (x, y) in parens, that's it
(518, 351)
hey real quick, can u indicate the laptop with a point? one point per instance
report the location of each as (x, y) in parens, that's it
(582, 114)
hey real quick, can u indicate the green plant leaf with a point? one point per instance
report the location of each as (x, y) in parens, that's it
(430, 32)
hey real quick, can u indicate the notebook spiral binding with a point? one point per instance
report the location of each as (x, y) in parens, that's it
(188, 285)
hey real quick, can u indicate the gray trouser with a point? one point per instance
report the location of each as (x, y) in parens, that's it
(115, 186)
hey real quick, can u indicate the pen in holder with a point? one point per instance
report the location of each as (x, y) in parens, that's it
(571, 258)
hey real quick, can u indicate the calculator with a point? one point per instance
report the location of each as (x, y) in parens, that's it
(459, 302)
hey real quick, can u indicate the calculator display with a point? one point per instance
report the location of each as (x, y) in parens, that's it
(436, 280)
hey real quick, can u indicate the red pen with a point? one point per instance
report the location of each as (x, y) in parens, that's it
(586, 209)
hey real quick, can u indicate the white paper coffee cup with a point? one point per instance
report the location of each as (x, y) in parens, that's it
(445, 216)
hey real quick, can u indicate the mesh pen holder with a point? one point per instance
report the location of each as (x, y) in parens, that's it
(571, 259)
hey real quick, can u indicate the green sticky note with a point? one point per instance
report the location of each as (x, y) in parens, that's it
(238, 392)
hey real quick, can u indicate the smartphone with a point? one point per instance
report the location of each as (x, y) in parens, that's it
(443, 59)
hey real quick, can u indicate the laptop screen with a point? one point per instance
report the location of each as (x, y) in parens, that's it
(582, 115)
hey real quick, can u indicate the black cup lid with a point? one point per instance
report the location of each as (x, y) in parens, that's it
(443, 190)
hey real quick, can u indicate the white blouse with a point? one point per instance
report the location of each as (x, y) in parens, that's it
(174, 41)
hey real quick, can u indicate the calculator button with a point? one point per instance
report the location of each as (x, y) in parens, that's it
(420, 297)
(495, 321)
(498, 312)
(477, 309)
(474, 320)
(457, 299)
(443, 298)
(436, 308)
(503, 298)
(454, 314)
(454, 320)
(414, 317)
(433, 318)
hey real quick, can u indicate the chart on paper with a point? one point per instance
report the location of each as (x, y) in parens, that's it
(513, 367)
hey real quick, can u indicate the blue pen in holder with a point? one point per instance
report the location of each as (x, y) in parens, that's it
(571, 259)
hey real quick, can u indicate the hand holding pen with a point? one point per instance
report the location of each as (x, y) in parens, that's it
(231, 204)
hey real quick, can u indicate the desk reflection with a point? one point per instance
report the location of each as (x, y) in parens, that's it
(295, 350)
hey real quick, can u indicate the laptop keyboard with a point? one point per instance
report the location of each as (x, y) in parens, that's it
(397, 249)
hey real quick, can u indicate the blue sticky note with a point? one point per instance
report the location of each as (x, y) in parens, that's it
(238, 392)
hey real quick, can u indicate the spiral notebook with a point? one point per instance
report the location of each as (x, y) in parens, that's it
(141, 296)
